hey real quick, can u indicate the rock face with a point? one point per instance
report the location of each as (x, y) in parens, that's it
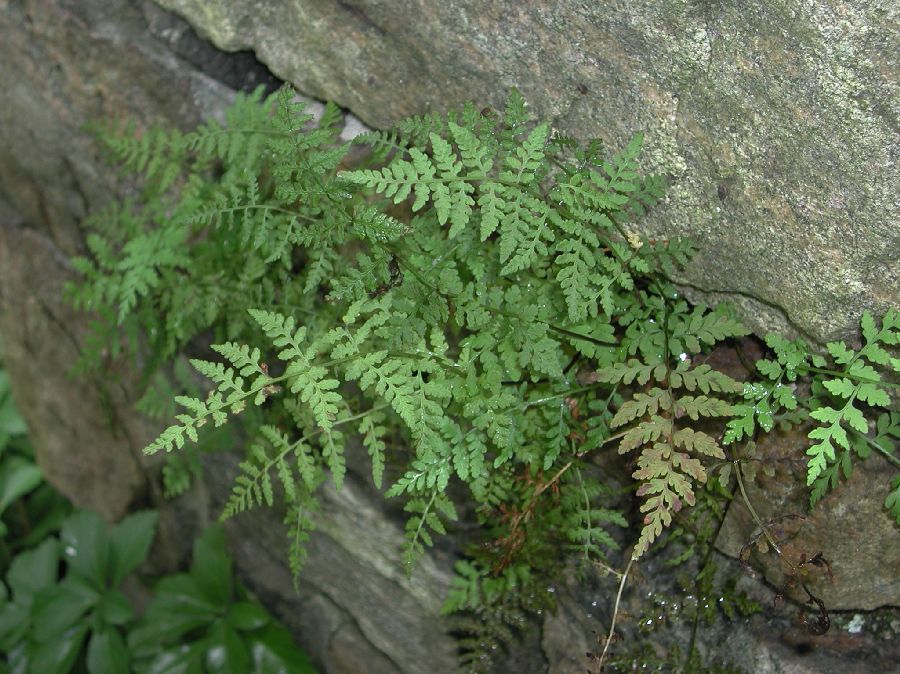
(81, 439)
(846, 527)
(776, 129)
(776, 121)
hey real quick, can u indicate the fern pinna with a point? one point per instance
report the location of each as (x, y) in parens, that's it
(467, 304)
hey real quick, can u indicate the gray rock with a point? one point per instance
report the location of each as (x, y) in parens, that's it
(82, 441)
(776, 122)
(356, 609)
(849, 528)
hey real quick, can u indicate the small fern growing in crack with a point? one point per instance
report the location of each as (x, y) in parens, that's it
(845, 385)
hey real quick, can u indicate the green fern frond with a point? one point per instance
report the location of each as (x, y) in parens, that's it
(425, 520)
(272, 454)
(860, 382)
(299, 523)
(373, 432)
(892, 502)
(584, 518)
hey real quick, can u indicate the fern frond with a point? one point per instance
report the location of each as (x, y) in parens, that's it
(643, 403)
(667, 475)
(859, 383)
(702, 327)
(425, 520)
(584, 518)
(271, 454)
(373, 440)
(144, 259)
(646, 431)
(333, 452)
(704, 378)
(246, 129)
(892, 502)
(496, 335)
(299, 522)
(156, 153)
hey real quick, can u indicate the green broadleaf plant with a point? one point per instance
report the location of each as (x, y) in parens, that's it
(198, 622)
(203, 621)
(53, 623)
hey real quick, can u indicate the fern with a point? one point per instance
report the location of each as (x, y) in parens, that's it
(840, 384)
(859, 383)
(668, 467)
(585, 517)
(469, 305)
(490, 609)
(425, 520)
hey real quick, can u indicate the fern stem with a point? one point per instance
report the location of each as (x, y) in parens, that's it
(425, 511)
(849, 375)
(756, 517)
(264, 207)
(564, 394)
(881, 450)
(615, 615)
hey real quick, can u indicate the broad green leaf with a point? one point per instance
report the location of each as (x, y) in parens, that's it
(211, 568)
(245, 616)
(18, 477)
(274, 652)
(181, 659)
(58, 608)
(179, 607)
(15, 621)
(227, 651)
(114, 608)
(58, 655)
(17, 659)
(106, 653)
(11, 422)
(130, 542)
(34, 570)
(47, 509)
(85, 546)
